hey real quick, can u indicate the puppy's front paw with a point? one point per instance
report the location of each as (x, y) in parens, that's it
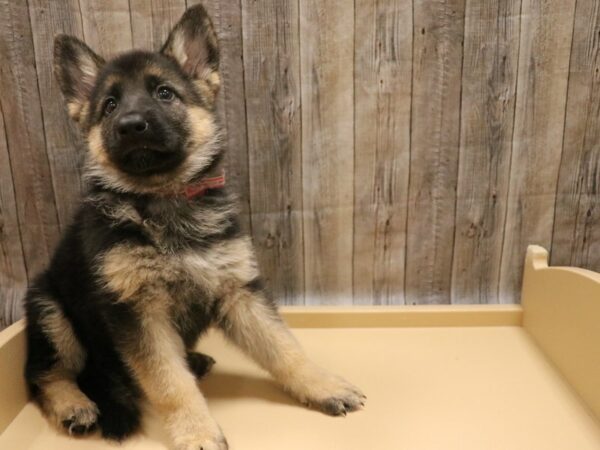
(335, 396)
(328, 393)
(207, 437)
(204, 444)
(78, 420)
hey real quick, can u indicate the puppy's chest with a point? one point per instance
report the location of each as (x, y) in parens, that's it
(171, 225)
(146, 273)
(176, 231)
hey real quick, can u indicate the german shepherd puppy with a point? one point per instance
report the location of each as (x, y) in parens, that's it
(154, 255)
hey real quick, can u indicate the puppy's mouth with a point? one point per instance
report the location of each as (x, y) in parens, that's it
(145, 160)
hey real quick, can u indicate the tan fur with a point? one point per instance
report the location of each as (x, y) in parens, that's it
(177, 49)
(208, 80)
(74, 110)
(209, 84)
(202, 125)
(257, 329)
(140, 274)
(77, 106)
(61, 398)
(225, 266)
(70, 353)
(214, 80)
(202, 142)
(89, 69)
(170, 387)
(96, 146)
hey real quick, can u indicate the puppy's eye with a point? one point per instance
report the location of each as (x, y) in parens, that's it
(109, 106)
(165, 93)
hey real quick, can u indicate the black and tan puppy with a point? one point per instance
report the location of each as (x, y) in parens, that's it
(154, 255)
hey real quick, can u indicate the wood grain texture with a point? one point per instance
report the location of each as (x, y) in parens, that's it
(152, 20)
(576, 238)
(63, 145)
(227, 18)
(382, 91)
(272, 80)
(377, 160)
(107, 26)
(13, 273)
(24, 128)
(488, 83)
(546, 32)
(437, 66)
(327, 65)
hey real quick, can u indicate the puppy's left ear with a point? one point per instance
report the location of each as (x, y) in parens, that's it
(193, 44)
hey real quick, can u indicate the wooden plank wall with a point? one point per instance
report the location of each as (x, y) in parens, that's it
(385, 152)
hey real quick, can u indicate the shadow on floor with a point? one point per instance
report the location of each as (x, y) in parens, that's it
(224, 385)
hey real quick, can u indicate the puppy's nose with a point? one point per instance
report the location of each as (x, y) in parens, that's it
(132, 124)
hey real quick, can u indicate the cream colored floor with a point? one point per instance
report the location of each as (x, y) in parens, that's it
(428, 388)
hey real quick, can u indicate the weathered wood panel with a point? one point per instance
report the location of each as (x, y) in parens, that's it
(24, 128)
(382, 91)
(272, 80)
(227, 19)
(63, 146)
(487, 115)
(576, 239)
(437, 66)
(13, 274)
(151, 21)
(546, 31)
(327, 66)
(376, 160)
(107, 26)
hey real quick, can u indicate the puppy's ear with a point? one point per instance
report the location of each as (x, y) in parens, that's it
(76, 67)
(193, 44)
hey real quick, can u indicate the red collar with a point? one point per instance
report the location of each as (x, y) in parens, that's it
(199, 188)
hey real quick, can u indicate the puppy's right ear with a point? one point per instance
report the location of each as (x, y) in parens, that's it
(76, 67)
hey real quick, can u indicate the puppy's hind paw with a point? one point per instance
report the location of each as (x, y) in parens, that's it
(80, 420)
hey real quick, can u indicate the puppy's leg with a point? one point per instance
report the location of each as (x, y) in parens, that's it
(65, 404)
(158, 359)
(55, 358)
(251, 321)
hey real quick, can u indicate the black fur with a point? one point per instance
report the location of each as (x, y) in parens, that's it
(199, 363)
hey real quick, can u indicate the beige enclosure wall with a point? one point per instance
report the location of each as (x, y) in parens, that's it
(386, 152)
